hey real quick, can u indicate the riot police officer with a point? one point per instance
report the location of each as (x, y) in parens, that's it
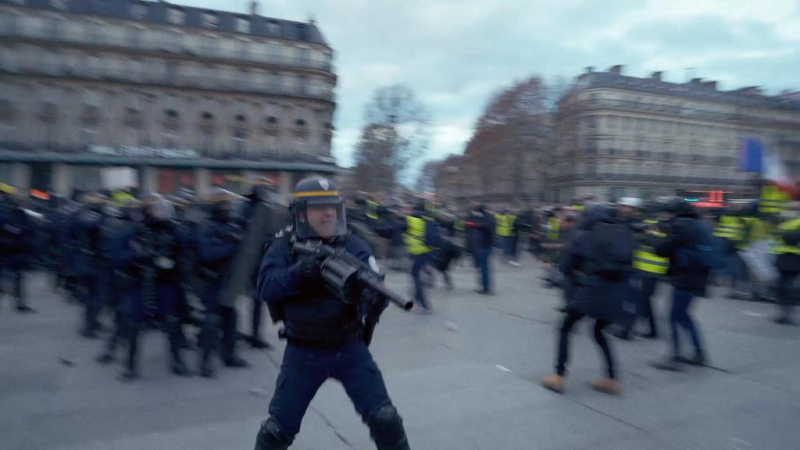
(261, 192)
(89, 258)
(119, 230)
(325, 335)
(15, 244)
(217, 243)
(151, 254)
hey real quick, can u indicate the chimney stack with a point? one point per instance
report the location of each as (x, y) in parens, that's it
(656, 76)
(588, 69)
(254, 6)
(616, 70)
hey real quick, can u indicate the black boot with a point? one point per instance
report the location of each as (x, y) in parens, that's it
(272, 437)
(233, 360)
(207, 367)
(131, 371)
(176, 346)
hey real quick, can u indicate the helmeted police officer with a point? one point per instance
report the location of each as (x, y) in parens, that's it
(90, 258)
(16, 236)
(120, 227)
(151, 252)
(217, 243)
(325, 335)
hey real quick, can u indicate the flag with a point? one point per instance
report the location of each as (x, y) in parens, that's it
(776, 172)
(758, 158)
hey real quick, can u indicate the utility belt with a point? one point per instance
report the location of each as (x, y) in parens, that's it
(347, 339)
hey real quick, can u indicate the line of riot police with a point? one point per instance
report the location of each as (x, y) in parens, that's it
(149, 262)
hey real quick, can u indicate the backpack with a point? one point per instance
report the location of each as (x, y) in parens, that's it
(700, 255)
(612, 247)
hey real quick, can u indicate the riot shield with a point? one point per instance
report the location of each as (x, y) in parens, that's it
(267, 219)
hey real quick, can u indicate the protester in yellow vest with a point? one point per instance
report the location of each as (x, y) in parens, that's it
(788, 264)
(505, 230)
(649, 270)
(420, 236)
(772, 199)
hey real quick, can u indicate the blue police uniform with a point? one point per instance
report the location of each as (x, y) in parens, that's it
(15, 244)
(217, 243)
(147, 262)
(89, 262)
(325, 340)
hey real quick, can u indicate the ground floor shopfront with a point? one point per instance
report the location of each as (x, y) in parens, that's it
(61, 175)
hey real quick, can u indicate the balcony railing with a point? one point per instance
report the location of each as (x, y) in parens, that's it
(640, 178)
(148, 77)
(699, 114)
(215, 154)
(149, 44)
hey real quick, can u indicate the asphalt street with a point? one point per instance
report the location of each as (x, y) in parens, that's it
(465, 377)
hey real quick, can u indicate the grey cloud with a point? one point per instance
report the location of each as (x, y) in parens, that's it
(455, 53)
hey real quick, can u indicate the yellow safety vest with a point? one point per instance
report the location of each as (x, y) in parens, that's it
(553, 226)
(772, 200)
(460, 226)
(783, 248)
(505, 225)
(578, 207)
(729, 227)
(372, 209)
(647, 260)
(414, 236)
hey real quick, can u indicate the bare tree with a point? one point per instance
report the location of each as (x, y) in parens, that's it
(512, 143)
(396, 131)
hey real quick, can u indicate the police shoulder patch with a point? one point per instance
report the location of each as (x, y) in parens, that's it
(373, 264)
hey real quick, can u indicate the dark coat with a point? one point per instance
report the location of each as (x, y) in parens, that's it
(589, 293)
(686, 232)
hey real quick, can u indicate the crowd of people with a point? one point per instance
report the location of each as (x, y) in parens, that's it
(608, 259)
(136, 261)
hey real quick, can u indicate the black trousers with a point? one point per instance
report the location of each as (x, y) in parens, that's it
(570, 319)
(787, 297)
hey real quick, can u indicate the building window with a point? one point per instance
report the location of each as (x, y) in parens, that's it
(175, 16)
(211, 20)
(139, 11)
(274, 27)
(242, 25)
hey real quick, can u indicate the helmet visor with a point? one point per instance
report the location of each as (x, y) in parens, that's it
(322, 219)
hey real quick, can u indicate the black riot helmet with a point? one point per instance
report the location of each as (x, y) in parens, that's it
(131, 210)
(156, 208)
(223, 205)
(318, 210)
(262, 190)
(95, 202)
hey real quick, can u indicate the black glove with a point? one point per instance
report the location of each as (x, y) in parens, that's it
(310, 267)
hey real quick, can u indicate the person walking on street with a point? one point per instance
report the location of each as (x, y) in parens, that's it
(690, 250)
(596, 264)
(482, 223)
(421, 238)
(788, 265)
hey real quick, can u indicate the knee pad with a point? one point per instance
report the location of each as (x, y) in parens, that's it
(386, 428)
(272, 437)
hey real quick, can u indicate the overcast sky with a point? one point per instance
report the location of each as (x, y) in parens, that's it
(455, 53)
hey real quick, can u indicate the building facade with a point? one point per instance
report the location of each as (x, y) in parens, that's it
(188, 97)
(621, 136)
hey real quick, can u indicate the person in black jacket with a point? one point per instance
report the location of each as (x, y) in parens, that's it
(482, 224)
(688, 246)
(594, 291)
